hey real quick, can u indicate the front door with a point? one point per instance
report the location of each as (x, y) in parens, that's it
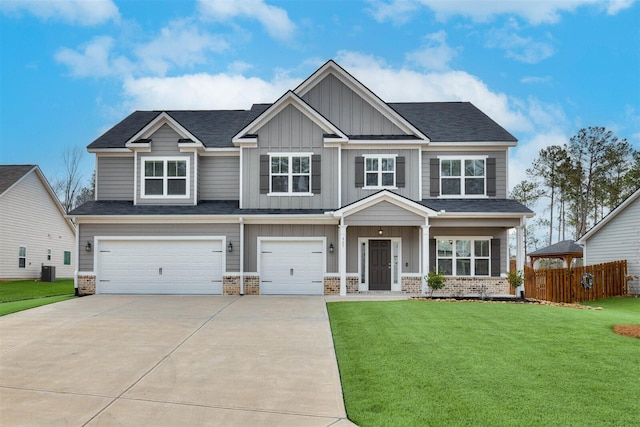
(379, 265)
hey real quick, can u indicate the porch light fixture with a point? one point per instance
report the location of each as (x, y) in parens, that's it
(379, 231)
(88, 246)
(330, 247)
(230, 247)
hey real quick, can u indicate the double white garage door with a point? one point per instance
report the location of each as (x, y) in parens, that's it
(196, 266)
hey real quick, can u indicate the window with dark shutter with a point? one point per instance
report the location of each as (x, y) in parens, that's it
(316, 177)
(495, 257)
(264, 174)
(359, 168)
(400, 172)
(491, 176)
(434, 177)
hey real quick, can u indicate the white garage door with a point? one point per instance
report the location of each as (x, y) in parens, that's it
(292, 267)
(160, 266)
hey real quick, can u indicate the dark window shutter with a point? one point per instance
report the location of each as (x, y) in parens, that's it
(434, 175)
(359, 172)
(495, 257)
(264, 174)
(400, 172)
(432, 255)
(491, 176)
(316, 178)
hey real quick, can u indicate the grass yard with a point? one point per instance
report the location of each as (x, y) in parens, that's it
(24, 294)
(425, 363)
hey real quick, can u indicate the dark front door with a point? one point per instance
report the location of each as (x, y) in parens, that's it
(379, 265)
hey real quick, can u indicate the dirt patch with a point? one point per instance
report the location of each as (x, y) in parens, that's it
(627, 330)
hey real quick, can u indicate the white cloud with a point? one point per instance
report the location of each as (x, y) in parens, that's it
(179, 44)
(528, 149)
(535, 12)
(523, 49)
(81, 12)
(95, 59)
(274, 19)
(436, 54)
(203, 91)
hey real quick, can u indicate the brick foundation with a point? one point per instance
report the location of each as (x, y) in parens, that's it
(412, 285)
(86, 284)
(474, 286)
(252, 285)
(231, 285)
(332, 285)
(352, 284)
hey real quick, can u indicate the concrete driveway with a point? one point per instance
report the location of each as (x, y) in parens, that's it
(171, 360)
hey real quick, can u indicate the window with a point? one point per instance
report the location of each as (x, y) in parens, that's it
(379, 171)
(463, 257)
(22, 257)
(165, 177)
(67, 258)
(290, 174)
(48, 254)
(462, 177)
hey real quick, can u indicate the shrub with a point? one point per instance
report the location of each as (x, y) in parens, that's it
(435, 280)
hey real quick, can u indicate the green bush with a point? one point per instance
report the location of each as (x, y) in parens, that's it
(515, 278)
(435, 280)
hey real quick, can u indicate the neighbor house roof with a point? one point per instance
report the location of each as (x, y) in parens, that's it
(10, 174)
(565, 247)
(440, 121)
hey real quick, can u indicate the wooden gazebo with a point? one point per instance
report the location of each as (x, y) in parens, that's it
(567, 251)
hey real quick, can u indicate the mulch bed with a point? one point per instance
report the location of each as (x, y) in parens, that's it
(627, 330)
(507, 300)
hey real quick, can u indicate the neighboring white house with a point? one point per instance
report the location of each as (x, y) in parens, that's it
(33, 228)
(617, 237)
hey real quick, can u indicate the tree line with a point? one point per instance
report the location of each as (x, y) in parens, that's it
(578, 183)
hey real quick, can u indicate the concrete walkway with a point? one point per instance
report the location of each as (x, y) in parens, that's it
(169, 361)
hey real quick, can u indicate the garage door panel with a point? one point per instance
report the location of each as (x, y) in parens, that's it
(292, 267)
(160, 266)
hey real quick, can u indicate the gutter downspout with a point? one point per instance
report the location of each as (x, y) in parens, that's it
(75, 274)
(241, 221)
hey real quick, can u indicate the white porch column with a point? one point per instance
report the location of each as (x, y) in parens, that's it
(342, 266)
(425, 255)
(520, 252)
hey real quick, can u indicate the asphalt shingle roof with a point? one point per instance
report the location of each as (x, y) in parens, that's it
(9, 174)
(476, 206)
(560, 248)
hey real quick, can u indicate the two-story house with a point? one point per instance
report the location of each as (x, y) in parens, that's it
(327, 190)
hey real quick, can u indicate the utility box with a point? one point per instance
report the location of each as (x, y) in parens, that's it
(48, 273)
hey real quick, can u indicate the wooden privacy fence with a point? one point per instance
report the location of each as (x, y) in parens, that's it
(566, 284)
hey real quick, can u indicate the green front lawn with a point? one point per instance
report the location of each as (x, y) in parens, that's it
(24, 294)
(420, 363)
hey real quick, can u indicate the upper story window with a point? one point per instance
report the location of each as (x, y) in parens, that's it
(165, 177)
(463, 257)
(462, 176)
(380, 171)
(290, 173)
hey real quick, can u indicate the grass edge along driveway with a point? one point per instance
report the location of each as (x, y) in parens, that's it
(425, 363)
(25, 294)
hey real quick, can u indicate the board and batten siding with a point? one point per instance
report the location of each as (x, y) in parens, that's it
(218, 178)
(351, 193)
(30, 218)
(290, 131)
(618, 239)
(115, 177)
(89, 231)
(501, 168)
(253, 231)
(385, 213)
(347, 110)
(410, 245)
(471, 232)
(164, 143)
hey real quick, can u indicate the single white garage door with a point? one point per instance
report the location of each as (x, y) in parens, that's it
(292, 267)
(160, 266)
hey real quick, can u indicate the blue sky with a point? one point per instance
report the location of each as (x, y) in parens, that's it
(71, 69)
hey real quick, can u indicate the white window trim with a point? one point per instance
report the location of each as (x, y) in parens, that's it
(25, 257)
(290, 175)
(165, 178)
(462, 177)
(379, 172)
(363, 287)
(49, 254)
(453, 257)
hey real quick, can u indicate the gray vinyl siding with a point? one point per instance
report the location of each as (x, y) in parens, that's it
(164, 143)
(617, 240)
(501, 168)
(30, 218)
(290, 132)
(89, 231)
(219, 178)
(493, 232)
(115, 177)
(252, 232)
(347, 110)
(410, 245)
(385, 213)
(351, 193)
